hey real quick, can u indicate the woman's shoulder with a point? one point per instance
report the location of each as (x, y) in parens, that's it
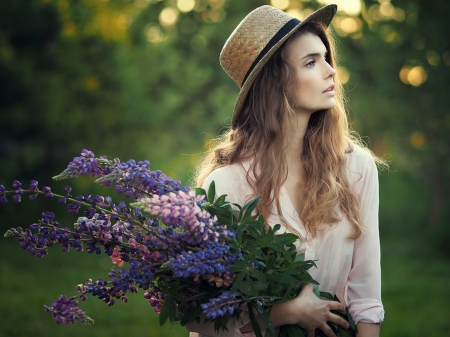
(231, 180)
(359, 160)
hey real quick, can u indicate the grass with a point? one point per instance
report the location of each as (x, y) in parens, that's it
(415, 295)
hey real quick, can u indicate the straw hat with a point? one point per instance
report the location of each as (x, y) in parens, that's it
(255, 40)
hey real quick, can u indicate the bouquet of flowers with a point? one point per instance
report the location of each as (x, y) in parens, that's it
(193, 257)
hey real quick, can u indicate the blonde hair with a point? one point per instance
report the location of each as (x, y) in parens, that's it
(259, 135)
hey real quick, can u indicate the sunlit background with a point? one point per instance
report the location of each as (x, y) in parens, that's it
(140, 79)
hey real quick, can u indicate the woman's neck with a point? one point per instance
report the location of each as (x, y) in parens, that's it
(295, 135)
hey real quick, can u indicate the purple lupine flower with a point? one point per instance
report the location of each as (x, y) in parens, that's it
(33, 185)
(16, 184)
(65, 310)
(220, 306)
(85, 164)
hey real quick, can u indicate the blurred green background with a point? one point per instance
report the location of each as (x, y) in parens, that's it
(140, 79)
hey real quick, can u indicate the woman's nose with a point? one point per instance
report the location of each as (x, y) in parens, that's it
(331, 71)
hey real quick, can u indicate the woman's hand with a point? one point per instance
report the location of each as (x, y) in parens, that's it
(309, 312)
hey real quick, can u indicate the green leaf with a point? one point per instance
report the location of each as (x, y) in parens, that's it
(255, 325)
(284, 278)
(291, 331)
(258, 275)
(351, 321)
(264, 315)
(211, 192)
(168, 311)
(299, 257)
(317, 291)
(238, 281)
(248, 209)
(200, 191)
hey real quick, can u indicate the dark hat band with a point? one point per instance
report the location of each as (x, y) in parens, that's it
(289, 26)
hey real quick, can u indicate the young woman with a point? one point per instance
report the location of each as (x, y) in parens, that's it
(289, 142)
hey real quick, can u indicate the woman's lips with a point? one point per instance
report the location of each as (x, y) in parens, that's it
(330, 90)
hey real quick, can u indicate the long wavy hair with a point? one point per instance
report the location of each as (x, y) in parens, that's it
(259, 136)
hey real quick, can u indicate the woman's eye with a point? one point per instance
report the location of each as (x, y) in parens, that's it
(310, 64)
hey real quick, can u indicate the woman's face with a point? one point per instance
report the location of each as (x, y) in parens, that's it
(315, 86)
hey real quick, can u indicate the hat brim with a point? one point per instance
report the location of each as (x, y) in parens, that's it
(323, 15)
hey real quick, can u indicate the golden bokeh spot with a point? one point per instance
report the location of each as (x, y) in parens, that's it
(124, 21)
(433, 58)
(399, 15)
(374, 12)
(142, 3)
(417, 76)
(351, 7)
(296, 13)
(446, 57)
(217, 15)
(91, 83)
(357, 35)
(343, 74)
(350, 25)
(280, 4)
(404, 74)
(388, 34)
(387, 10)
(205, 16)
(69, 29)
(417, 140)
(168, 16)
(153, 34)
(216, 3)
(185, 5)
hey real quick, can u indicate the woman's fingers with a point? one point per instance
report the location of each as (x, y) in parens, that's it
(311, 333)
(339, 321)
(334, 305)
(327, 331)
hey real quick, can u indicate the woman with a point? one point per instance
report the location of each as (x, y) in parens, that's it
(289, 143)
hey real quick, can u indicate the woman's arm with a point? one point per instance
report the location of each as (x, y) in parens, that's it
(364, 280)
(368, 329)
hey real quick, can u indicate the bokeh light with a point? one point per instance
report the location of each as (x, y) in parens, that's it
(91, 83)
(296, 13)
(399, 15)
(216, 4)
(350, 7)
(153, 34)
(417, 140)
(168, 16)
(433, 57)
(387, 10)
(185, 5)
(124, 21)
(446, 57)
(388, 34)
(413, 75)
(404, 74)
(217, 15)
(280, 4)
(343, 74)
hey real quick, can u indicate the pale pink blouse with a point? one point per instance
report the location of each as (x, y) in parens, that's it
(348, 268)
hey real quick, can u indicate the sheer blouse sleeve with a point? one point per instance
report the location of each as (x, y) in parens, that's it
(364, 281)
